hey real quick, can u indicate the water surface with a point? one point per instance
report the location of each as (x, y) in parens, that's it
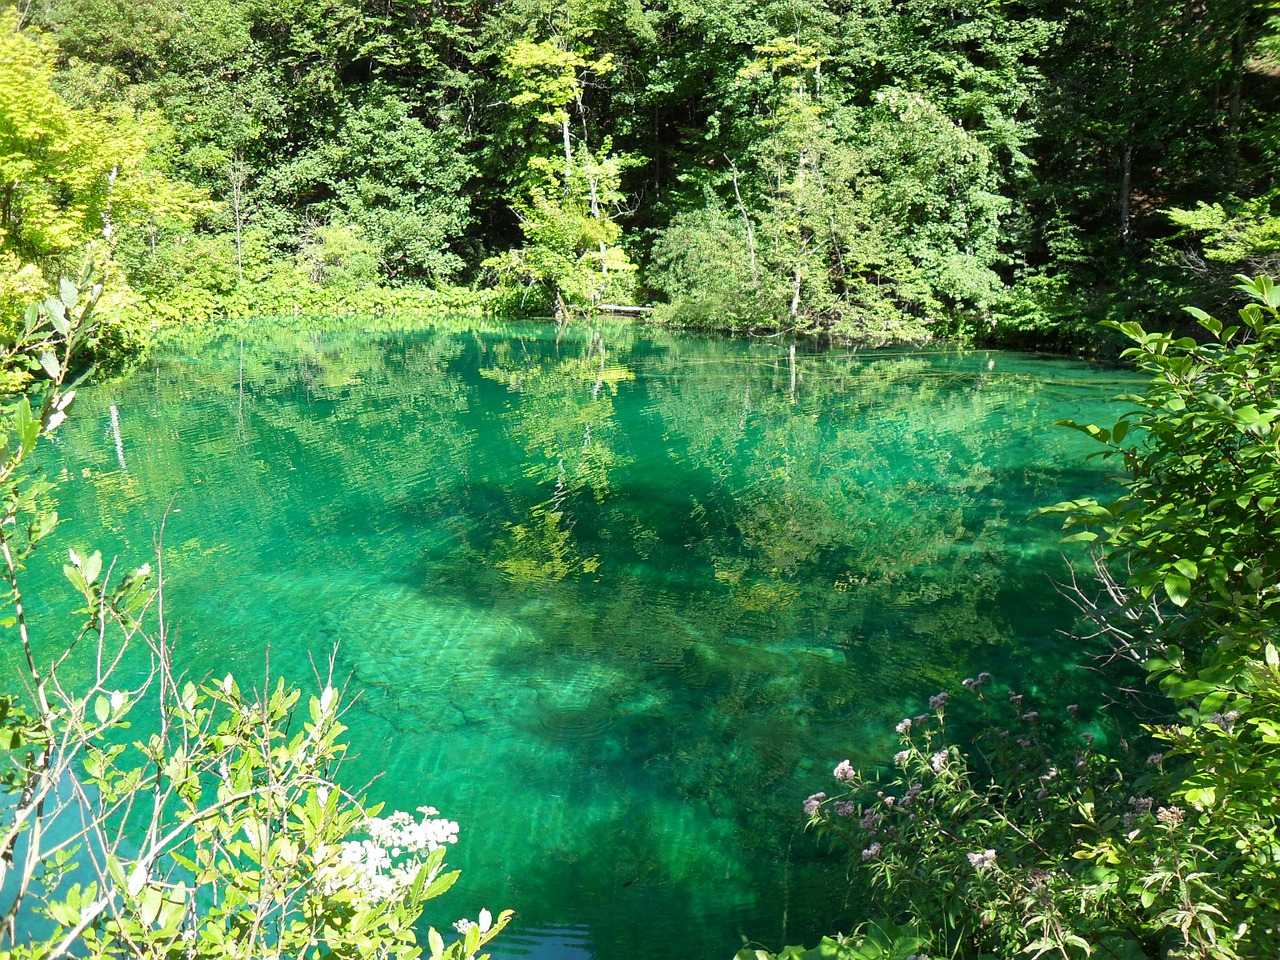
(616, 601)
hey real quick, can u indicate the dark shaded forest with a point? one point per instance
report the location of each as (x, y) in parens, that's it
(1004, 172)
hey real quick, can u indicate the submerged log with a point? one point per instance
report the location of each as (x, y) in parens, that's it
(622, 311)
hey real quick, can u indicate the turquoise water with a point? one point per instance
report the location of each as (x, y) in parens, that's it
(618, 601)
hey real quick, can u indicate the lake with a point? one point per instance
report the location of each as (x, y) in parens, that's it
(617, 600)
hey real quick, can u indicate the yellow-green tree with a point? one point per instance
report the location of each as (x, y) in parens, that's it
(68, 176)
(569, 197)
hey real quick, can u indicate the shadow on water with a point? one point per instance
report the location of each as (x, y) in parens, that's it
(615, 602)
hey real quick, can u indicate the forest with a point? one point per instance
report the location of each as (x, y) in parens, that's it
(361, 258)
(1007, 173)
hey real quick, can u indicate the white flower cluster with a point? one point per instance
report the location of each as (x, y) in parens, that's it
(371, 872)
(383, 867)
(982, 862)
(485, 923)
(401, 831)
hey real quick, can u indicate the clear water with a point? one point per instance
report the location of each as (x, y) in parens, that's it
(616, 602)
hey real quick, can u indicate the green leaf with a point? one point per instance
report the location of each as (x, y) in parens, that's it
(50, 364)
(43, 525)
(151, 902)
(1187, 568)
(1211, 324)
(1216, 402)
(440, 884)
(28, 426)
(1084, 536)
(1267, 291)
(1185, 689)
(1202, 796)
(92, 566)
(68, 293)
(75, 577)
(58, 315)
(1178, 587)
(1214, 702)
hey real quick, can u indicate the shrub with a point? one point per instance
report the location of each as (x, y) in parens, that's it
(147, 815)
(1032, 838)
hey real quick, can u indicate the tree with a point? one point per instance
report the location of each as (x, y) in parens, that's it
(68, 175)
(403, 184)
(566, 203)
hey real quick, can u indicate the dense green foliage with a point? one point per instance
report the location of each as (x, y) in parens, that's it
(869, 169)
(1041, 836)
(873, 169)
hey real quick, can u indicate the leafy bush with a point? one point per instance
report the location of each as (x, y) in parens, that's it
(705, 264)
(1032, 837)
(143, 814)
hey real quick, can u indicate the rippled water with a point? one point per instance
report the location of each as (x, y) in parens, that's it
(617, 602)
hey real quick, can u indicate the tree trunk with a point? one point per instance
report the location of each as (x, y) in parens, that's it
(237, 178)
(746, 219)
(1126, 188)
(1234, 102)
(568, 154)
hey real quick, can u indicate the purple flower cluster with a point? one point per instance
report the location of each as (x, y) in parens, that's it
(844, 772)
(871, 852)
(846, 808)
(813, 803)
(976, 684)
(1225, 720)
(938, 701)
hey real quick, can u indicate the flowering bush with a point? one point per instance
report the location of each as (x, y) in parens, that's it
(1029, 838)
(977, 845)
(221, 832)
